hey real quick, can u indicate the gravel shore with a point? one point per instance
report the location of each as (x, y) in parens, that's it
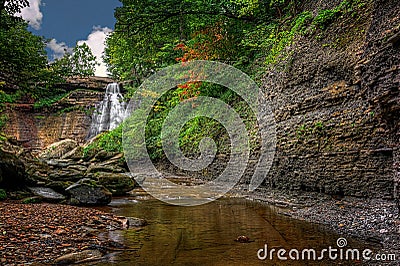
(375, 221)
(37, 234)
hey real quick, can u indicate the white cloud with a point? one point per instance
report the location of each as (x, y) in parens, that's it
(59, 49)
(96, 42)
(32, 14)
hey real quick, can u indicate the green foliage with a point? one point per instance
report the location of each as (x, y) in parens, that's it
(148, 33)
(81, 63)
(152, 34)
(3, 194)
(72, 108)
(110, 141)
(325, 17)
(47, 102)
(6, 98)
(271, 39)
(195, 129)
(22, 54)
(318, 129)
(301, 131)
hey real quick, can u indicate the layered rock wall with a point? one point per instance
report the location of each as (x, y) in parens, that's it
(70, 118)
(336, 103)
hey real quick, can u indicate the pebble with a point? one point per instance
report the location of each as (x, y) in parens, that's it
(32, 233)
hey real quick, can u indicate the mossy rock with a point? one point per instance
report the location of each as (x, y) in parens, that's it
(104, 155)
(75, 154)
(119, 184)
(59, 186)
(88, 192)
(32, 200)
(58, 149)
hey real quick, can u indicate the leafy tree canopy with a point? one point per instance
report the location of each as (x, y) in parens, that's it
(81, 62)
(22, 54)
(13, 7)
(151, 34)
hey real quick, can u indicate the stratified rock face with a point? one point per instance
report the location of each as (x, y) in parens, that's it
(92, 83)
(70, 118)
(337, 108)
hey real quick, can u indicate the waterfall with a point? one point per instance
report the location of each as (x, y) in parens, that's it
(110, 112)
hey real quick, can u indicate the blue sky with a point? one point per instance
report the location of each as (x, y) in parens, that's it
(66, 22)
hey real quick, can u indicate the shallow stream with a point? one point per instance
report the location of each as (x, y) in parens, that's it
(205, 234)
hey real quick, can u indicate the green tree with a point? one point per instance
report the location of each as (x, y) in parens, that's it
(81, 62)
(22, 54)
(13, 6)
(148, 33)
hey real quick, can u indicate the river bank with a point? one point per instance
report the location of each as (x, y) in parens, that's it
(39, 234)
(376, 221)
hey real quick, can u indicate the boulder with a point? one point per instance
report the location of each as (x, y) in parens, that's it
(59, 186)
(104, 155)
(88, 192)
(78, 167)
(66, 175)
(59, 163)
(118, 160)
(127, 222)
(32, 200)
(74, 154)
(12, 171)
(136, 222)
(118, 183)
(58, 149)
(47, 194)
(78, 257)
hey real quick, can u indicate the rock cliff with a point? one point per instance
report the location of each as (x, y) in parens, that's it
(336, 104)
(69, 118)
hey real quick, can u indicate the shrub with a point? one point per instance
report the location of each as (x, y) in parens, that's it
(3, 194)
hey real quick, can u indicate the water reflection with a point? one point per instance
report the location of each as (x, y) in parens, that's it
(205, 234)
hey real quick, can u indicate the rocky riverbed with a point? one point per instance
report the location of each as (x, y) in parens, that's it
(45, 234)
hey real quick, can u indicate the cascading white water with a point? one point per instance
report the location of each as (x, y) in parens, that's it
(110, 112)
